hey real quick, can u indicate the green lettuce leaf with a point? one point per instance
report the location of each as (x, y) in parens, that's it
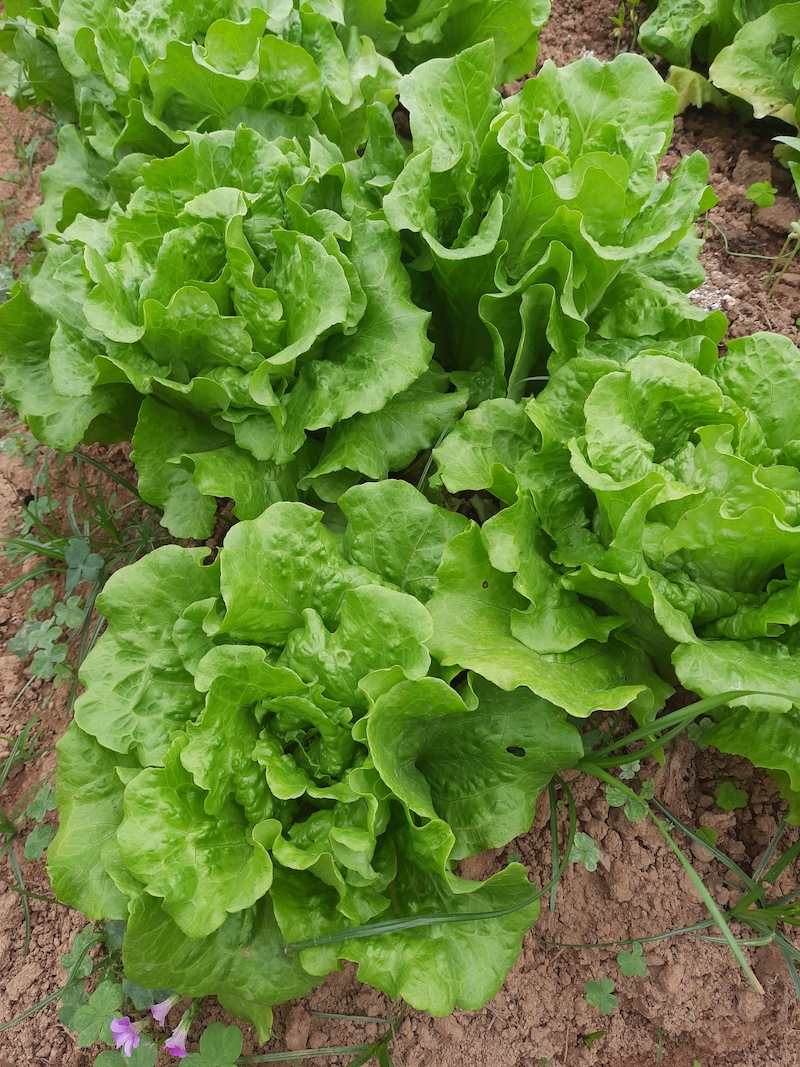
(485, 790)
(482, 451)
(396, 434)
(299, 566)
(89, 797)
(447, 29)
(439, 965)
(672, 28)
(762, 65)
(242, 963)
(395, 532)
(203, 866)
(138, 689)
(472, 611)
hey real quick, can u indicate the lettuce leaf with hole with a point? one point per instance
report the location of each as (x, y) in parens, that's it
(655, 511)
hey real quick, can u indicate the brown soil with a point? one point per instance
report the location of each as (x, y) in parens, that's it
(27, 146)
(694, 1003)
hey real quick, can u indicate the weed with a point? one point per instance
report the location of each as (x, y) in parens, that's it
(784, 258)
(707, 834)
(761, 193)
(729, 798)
(660, 1036)
(13, 240)
(24, 151)
(91, 1016)
(102, 525)
(17, 442)
(633, 964)
(600, 995)
(585, 851)
(97, 994)
(591, 1039)
(753, 907)
(628, 12)
(635, 808)
(34, 805)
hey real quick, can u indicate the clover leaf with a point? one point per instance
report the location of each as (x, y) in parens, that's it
(44, 801)
(37, 841)
(599, 995)
(633, 964)
(220, 1046)
(81, 943)
(91, 1020)
(635, 808)
(83, 565)
(762, 194)
(729, 798)
(584, 850)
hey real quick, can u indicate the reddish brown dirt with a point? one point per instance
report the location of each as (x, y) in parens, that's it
(694, 1003)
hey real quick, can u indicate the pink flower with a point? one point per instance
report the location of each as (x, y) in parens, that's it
(161, 1010)
(176, 1043)
(126, 1034)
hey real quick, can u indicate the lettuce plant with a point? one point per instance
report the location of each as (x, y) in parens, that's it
(762, 64)
(136, 75)
(266, 752)
(443, 30)
(678, 29)
(653, 496)
(132, 80)
(242, 302)
(243, 310)
(538, 223)
(751, 49)
(252, 290)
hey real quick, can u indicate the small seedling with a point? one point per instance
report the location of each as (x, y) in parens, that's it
(661, 1036)
(118, 1012)
(628, 10)
(696, 731)
(584, 850)
(24, 750)
(762, 194)
(591, 1039)
(753, 907)
(600, 995)
(12, 242)
(628, 771)
(16, 441)
(784, 258)
(707, 834)
(635, 809)
(42, 834)
(111, 529)
(633, 964)
(729, 798)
